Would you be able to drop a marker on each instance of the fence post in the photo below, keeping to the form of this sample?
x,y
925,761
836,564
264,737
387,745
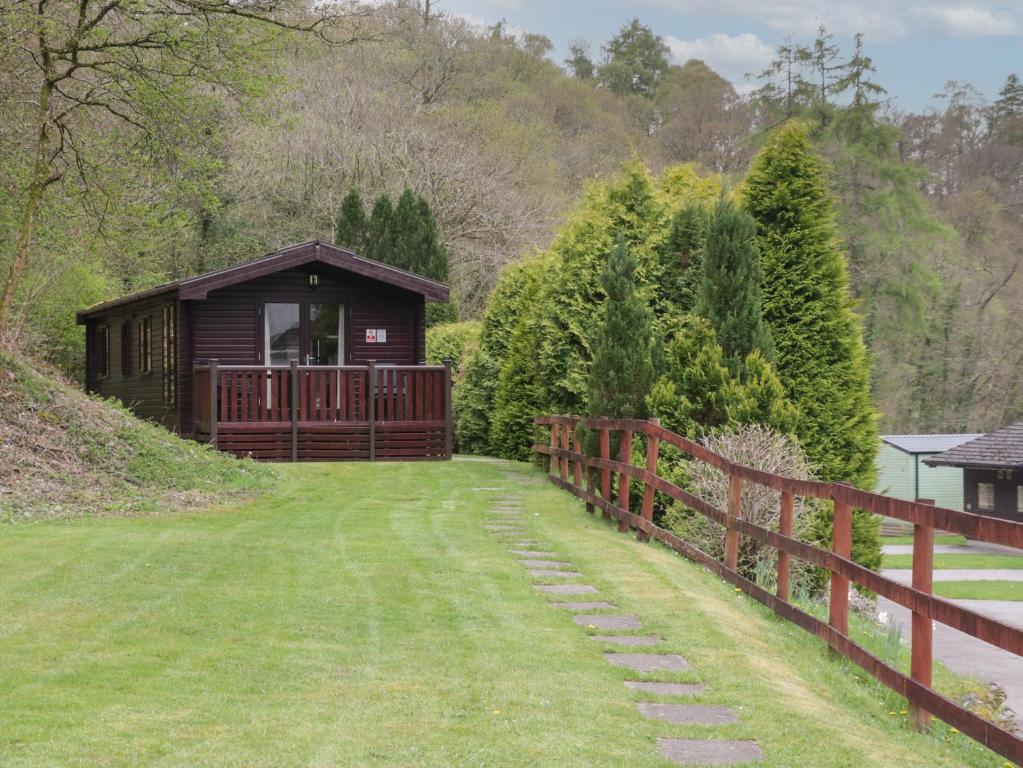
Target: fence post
x,y
841,544
214,402
653,451
295,400
564,446
624,456
731,532
605,473
785,529
371,408
449,433
577,468
921,666
552,458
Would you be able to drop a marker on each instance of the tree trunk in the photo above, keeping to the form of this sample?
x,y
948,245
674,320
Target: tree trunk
x,y
41,179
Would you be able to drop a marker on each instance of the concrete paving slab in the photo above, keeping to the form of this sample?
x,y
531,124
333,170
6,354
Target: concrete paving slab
x,y
604,621
555,564
666,689
566,589
532,553
648,662
636,640
694,714
596,605
709,751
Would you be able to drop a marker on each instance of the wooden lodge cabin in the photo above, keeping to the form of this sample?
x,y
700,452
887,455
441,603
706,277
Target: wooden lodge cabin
x,y
310,353
992,467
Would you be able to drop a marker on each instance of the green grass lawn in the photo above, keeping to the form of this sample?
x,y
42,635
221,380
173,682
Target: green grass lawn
x,y
948,539
361,616
980,590
967,562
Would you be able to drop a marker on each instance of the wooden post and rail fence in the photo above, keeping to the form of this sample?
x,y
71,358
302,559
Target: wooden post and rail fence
x,y
325,413
570,466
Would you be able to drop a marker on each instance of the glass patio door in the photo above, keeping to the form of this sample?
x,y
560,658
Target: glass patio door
x,y
312,334
326,334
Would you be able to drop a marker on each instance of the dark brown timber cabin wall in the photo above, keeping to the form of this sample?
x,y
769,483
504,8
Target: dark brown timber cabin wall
x,y
222,316
992,472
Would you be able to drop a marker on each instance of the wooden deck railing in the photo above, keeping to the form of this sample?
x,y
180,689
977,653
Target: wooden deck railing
x,y
325,412
570,467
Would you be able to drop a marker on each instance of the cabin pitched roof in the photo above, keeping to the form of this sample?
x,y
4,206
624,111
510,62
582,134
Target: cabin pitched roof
x,y
313,251
1002,449
918,444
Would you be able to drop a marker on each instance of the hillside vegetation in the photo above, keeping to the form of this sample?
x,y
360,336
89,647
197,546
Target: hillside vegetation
x,y
65,454
499,137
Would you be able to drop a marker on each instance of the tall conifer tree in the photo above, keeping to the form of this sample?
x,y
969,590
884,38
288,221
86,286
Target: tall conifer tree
x,y
380,231
622,371
350,227
729,295
821,358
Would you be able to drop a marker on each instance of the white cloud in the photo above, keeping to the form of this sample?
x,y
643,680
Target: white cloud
x,y
878,19
970,21
732,56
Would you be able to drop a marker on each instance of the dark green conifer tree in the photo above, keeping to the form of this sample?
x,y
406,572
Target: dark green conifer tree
x,y
350,226
819,351
622,371
729,296
380,231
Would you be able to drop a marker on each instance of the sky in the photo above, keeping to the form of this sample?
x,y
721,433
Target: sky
x,y
917,45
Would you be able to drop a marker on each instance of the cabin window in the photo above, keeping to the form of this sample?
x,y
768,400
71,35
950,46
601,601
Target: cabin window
x,y
170,354
146,345
1019,498
326,334
102,351
126,348
282,333
985,496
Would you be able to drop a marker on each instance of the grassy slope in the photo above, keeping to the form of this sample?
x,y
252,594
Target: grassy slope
x,y
64,454
940,538
362,616
980,590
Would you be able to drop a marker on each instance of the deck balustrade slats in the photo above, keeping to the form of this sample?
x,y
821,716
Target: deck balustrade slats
x,y
251,411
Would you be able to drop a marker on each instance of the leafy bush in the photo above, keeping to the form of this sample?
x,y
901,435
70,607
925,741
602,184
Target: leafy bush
x,y
452,341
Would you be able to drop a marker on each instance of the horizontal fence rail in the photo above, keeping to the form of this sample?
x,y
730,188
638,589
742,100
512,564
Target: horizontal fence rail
x,y
325,412
570,468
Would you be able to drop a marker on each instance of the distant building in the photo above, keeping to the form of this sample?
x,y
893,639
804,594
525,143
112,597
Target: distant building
x,y
992,466
903,473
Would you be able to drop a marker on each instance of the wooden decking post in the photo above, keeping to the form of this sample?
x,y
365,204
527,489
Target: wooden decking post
x,y
214,406
605,473
295,400
625,456
921,662
734,513
371,408
841,544
785,529
449,434
653,449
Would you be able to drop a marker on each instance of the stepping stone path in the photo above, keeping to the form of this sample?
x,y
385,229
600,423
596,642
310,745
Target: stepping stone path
x,y
539,563
697,714
566,588
545,563
709,752
648,662
604,621
626,639
667,689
